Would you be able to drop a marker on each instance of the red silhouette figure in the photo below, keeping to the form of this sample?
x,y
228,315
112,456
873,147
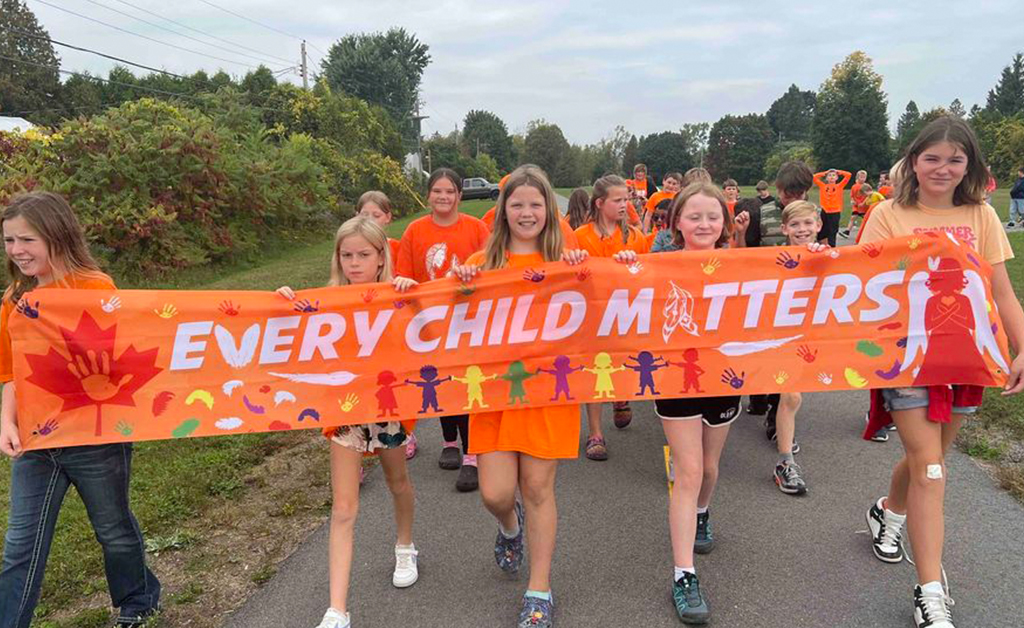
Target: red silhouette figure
x,y
950,326
691,371
387,404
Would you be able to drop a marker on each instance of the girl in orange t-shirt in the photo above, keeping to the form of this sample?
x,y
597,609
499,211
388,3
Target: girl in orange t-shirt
x,y
605,234
362,255
522,447
46,250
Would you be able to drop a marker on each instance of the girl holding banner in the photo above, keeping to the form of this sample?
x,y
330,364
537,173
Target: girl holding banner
x,y
46,250
941,189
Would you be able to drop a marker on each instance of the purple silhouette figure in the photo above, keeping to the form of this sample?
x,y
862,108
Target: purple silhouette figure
x,y
646,364
429,385
561,371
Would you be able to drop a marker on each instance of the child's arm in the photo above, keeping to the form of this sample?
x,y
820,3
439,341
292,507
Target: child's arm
x,y
819,178
844,178
10,440
1013,322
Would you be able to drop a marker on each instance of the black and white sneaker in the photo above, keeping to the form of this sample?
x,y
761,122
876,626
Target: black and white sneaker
x,y
845,233
788,478
931,610
885,535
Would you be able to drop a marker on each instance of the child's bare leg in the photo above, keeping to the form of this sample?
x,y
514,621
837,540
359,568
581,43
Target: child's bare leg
x,y
345,466
594,419
686,445
785,422
537,485
713,443
499,475
396,473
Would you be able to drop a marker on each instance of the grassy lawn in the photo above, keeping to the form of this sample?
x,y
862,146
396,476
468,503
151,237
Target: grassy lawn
x,y
178,484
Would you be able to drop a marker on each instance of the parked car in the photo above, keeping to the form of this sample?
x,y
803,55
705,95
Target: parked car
x,y
478,187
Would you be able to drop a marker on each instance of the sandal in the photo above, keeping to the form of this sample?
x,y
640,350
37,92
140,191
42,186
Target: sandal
x,y
622,414
596,448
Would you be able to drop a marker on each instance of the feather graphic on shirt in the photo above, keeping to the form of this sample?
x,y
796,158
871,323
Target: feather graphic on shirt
x,y
436,257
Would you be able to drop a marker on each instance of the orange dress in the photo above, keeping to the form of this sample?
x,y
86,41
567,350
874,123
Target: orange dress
x,y
550,432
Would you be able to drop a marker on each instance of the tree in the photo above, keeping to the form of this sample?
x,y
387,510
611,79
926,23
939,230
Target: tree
x,y
665,152
907,127
695,136
791,115
850,128
788,151
629,158
1008,153
484,132
381,68
24,87
956,108
1007,97
546,147
259,84
738,147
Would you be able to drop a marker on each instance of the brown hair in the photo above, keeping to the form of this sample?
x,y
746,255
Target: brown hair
x,y
579,205
550,241
678,176
445,173
640,168
794,178
971,190
761,185
52,218
602,187
694,175
730,183
372,233
701,189
376,197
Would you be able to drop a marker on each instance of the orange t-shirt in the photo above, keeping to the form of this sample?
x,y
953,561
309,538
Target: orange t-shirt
x,y
77,282
886,191
831,194
394,244
547,432
656,198
855,196
568,236
731,205
591,241
428,251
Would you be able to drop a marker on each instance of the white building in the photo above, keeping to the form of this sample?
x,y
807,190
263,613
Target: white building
x,y
15,124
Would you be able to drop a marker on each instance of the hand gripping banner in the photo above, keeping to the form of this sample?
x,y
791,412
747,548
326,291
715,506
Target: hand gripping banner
x,y
169,364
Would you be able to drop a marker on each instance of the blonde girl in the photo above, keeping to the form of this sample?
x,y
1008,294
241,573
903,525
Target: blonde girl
x,y
362,256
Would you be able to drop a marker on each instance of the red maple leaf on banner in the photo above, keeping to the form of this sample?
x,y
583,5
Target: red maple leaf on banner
x,y
91,375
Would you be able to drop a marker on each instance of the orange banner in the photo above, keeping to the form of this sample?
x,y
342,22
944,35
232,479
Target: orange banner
x,y
95,367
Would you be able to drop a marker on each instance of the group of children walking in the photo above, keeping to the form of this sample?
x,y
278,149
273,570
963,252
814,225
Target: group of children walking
x,y
513,455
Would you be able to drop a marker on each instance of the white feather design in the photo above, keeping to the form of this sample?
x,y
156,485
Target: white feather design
x,y
917,335
436,256
983,336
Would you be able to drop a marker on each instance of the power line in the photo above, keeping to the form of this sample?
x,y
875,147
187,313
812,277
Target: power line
x,y
101,54
179,34
210,35
146,37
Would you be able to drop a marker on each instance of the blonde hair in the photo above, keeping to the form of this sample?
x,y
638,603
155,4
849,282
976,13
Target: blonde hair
x,y
603,187
696,175
550,240
800,208
372,233
699,189
50,216
376,197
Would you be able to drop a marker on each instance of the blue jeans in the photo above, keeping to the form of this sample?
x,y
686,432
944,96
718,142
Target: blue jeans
x,y
1016,209
39,481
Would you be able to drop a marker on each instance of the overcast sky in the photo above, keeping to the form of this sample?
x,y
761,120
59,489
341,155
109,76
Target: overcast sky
x,y
589,66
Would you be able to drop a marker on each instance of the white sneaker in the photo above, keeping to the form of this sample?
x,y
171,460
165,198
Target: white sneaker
x,y
931,610
406,572
886,533
334,618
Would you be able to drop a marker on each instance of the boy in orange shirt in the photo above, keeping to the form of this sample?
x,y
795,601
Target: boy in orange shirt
x,y
731,189
640,189
858,196
430,247
670,185
885,187
830,192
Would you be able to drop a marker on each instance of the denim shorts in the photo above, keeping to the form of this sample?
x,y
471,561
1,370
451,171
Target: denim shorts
x,y
915,397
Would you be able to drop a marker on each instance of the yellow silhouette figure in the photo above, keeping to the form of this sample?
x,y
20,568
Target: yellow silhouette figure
x,y
604,388
474,390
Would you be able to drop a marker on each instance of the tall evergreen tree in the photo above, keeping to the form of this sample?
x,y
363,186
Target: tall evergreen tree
x,y
850,118
907,126
1007,97
956,108
25,87
484,132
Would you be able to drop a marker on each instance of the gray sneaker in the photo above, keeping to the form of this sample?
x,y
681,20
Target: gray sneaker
x,y
704,541
690,604
788,479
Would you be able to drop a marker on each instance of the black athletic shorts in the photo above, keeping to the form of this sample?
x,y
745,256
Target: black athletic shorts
x,y
829,227
714,411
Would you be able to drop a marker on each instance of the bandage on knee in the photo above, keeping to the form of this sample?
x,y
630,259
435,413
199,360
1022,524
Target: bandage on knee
x,y
933,472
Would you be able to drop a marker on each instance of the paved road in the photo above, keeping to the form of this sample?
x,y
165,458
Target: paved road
x,y
780,561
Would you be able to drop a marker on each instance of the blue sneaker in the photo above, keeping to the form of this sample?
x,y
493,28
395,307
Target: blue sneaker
x,y
536,613
704,541
690,604
509,552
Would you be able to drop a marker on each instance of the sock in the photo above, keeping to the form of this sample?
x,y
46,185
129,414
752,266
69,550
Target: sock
x,y
702,511
786,458
892,517
509,534
677,572
469,459
933,588
451,443
410,546
540,595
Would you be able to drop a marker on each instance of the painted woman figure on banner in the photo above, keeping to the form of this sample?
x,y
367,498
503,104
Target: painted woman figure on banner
x,y
949,325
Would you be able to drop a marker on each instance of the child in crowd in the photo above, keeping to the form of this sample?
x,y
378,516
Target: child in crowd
x,y
1017,201
579,206
940,188
670,185
830,191
990,185
640,189
605,234
521,448
763,194
694,175
869,198
362,256
732,194
46,250
885,184
429,248
857,201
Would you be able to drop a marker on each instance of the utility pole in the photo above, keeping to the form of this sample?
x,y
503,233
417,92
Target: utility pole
x,y
305,75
